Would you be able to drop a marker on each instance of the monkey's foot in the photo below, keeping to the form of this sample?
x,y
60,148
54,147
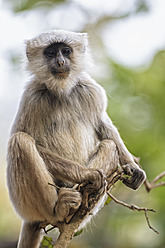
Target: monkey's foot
x,y
136,176
69,200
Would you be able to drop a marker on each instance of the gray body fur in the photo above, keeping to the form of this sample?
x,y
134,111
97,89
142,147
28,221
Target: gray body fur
x,y
59,127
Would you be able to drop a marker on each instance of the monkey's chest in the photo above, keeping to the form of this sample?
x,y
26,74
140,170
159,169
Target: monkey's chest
x,y
73,139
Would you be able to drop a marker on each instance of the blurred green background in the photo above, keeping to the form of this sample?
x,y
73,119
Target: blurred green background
x,y
127,39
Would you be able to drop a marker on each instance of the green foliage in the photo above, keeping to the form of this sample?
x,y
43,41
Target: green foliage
x,y
109,199
23,5
46,242
137,108
142,6
78,233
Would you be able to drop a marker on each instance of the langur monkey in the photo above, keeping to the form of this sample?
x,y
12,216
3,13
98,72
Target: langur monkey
x,y
61,135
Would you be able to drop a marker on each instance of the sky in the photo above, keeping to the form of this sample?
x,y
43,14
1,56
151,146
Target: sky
x,y
131,42
142,36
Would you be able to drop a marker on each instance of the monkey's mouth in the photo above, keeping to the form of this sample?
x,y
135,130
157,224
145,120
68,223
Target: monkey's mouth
x,y
60,73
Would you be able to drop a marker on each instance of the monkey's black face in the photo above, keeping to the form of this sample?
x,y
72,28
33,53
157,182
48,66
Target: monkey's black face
x,y
58,56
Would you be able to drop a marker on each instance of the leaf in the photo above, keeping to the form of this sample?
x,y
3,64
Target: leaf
x,y
46,242
32,4
109,199
78,233
126,176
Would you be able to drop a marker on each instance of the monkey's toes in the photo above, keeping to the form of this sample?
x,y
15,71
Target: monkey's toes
x,y
135,180
68,203
97,182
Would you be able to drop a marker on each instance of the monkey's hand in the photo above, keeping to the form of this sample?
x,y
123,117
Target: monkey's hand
x,y
69,200
134,175
95,180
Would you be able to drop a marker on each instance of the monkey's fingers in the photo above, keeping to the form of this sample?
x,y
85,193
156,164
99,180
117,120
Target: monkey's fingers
x,y
135,180
97,180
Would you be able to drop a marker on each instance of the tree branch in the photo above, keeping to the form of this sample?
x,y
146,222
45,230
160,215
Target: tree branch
x,y
70,226
153,184
134,207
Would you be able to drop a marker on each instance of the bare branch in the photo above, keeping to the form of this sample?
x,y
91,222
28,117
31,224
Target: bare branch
x,y
68,229
134,207
147,219
70,226
161,175
152,185
54,185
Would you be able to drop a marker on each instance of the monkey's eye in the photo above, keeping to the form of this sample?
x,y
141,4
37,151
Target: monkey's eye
x,y
66,51
49,52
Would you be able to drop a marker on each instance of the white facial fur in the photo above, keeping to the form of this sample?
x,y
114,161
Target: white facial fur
x,y
37,64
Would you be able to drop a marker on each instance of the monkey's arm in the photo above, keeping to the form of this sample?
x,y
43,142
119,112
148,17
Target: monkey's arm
x,y
107,130
33,124
69,170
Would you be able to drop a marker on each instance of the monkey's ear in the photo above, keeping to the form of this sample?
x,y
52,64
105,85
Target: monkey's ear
x,y
81,42
28,49
31,49
28,55
85,41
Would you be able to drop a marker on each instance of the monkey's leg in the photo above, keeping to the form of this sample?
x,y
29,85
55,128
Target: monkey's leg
x,y
105,157
31,235
137,176
28,180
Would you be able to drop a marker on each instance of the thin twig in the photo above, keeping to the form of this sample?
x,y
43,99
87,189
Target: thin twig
x,y
54,185
158,185
134,207
147,219
50,229
68,228
161,175
152,185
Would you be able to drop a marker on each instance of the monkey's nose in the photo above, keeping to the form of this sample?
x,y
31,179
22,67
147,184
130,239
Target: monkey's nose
x,y
60,62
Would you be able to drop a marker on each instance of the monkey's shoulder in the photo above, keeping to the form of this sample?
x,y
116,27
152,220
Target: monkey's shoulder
x,y
86,95
37,96
92,93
